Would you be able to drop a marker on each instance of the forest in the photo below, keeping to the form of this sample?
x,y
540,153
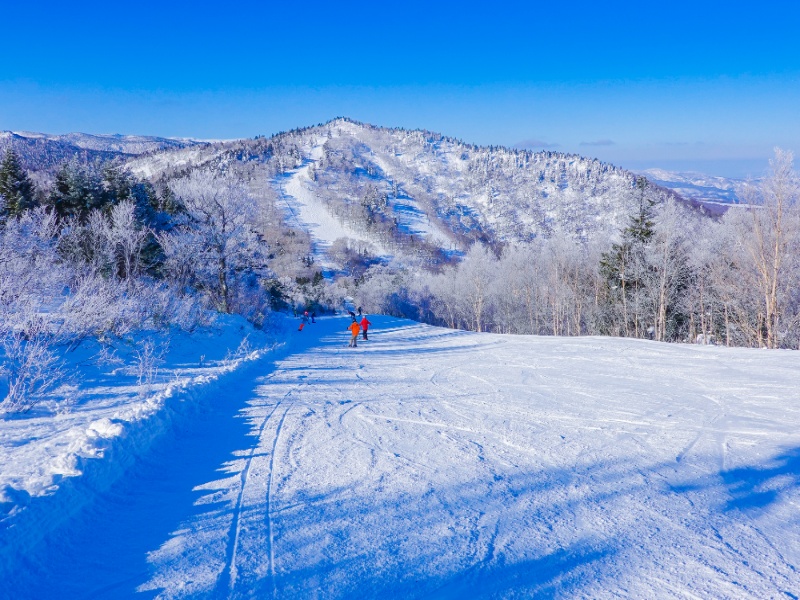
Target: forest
x,y
102,251
670,274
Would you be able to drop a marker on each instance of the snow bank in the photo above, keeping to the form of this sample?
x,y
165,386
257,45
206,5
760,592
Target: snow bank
x,y
56,458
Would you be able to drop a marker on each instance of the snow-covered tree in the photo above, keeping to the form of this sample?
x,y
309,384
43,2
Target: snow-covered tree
x,y
17,193
216,244
762,273
77,190
128,239
774,238
668,259
475,276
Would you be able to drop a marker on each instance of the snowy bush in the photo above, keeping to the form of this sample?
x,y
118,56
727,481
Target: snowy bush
x,y
149,358
242,350
96,306
30,368
30,269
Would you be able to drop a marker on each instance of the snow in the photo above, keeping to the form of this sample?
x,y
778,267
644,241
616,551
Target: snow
x,y
113,415
155,165
708,189
124,144
310,214
410,215
447,189
445,464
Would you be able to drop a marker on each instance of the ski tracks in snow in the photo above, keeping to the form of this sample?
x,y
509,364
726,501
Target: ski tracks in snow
x,y
228,579
429,463
268,516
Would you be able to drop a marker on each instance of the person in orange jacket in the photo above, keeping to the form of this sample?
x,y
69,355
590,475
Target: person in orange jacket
x,y
365,325
354,329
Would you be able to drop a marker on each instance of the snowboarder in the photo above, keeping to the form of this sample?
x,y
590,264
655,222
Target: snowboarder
x,y
365,325
354,329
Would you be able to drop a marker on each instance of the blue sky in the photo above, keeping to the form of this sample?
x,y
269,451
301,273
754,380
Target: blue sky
x,y
706,85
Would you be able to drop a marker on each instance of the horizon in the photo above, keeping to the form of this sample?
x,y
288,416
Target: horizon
x,y
732,168
629,85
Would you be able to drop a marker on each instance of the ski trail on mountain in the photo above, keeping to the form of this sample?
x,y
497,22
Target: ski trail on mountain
x,y
228,580
445,464
310,214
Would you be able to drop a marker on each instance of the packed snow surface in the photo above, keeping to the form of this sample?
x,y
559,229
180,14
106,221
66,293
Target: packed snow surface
x,y
310,213
430,463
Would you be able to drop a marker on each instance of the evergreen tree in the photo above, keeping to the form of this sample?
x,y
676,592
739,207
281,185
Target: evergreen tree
x,y
77,190
15,187
80,190
624,267
641,229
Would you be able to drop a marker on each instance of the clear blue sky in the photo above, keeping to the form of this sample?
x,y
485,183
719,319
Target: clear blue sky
x,y
709,85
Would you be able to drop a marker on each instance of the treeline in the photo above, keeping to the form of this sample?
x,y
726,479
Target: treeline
x,y
102,254
671,275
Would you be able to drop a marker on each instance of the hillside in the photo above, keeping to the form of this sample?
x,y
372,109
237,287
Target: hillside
x,y
42,154
440,464
416,224
713,191
381,193
399,192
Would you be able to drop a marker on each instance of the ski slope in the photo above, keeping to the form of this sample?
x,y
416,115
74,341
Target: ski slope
x,y
430,463
306,211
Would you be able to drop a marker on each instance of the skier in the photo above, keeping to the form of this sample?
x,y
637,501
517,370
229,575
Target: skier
x,y
365,325
305,317
359,311
352,315
313,316
354,329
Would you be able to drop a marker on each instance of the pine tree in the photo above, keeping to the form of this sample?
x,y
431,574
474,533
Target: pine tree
x,y
77,190
623,267
15,187
640,229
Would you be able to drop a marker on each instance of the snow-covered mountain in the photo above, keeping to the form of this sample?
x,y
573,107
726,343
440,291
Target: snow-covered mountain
x,y
41,152
122,144
396,190
706,189
386,192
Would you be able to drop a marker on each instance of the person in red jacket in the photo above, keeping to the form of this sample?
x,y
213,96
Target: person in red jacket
x,y
354,329
365,325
